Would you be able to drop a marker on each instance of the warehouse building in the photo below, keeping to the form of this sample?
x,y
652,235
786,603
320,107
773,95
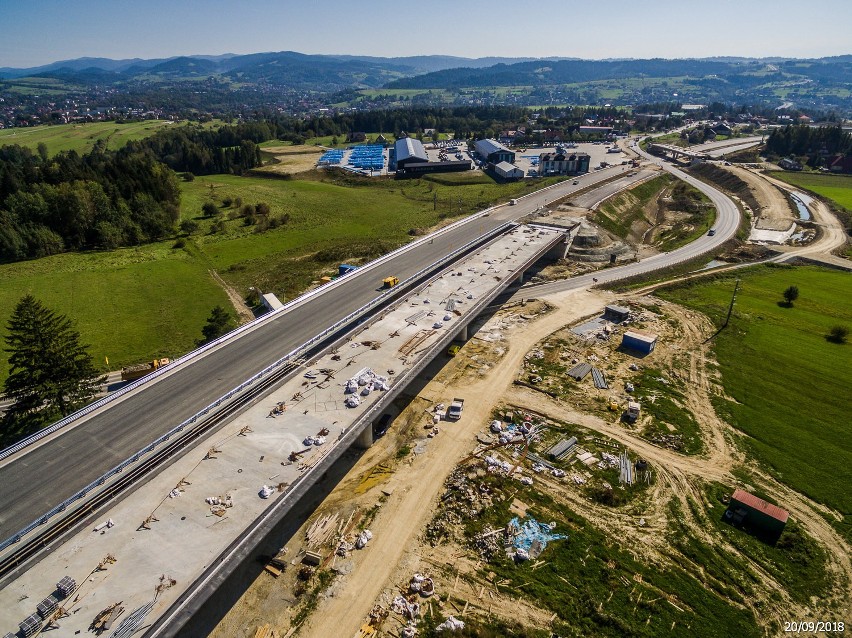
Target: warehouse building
x,y
418,168
639,341
409,157
507,171
493,152
408,150
756,515
563,164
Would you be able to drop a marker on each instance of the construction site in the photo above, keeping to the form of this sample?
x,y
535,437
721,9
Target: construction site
x,y
584,490
550,507
553,465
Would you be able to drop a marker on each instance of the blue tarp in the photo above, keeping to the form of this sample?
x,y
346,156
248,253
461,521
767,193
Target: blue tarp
x,y
530,531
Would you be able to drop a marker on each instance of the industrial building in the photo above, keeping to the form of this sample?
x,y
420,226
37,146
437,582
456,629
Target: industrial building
x,y
563,164
763,519
409,158
505,170
493,152
639,341
407,151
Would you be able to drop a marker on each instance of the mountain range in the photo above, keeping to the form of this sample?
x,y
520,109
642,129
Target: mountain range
x,y
823,83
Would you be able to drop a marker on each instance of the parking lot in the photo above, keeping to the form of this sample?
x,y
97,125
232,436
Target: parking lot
x,y
527,158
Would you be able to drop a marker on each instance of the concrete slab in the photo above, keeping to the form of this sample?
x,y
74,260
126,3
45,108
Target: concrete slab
x,y
252,451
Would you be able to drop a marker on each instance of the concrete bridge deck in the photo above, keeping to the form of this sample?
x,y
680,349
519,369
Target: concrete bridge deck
x,y
183,538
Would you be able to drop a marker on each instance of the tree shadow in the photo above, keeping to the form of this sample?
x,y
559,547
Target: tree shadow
x,y
785,304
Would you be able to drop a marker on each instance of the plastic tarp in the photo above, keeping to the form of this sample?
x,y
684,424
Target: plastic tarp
x,y
450,624
530,532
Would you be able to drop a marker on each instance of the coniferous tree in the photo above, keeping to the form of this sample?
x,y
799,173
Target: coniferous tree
x,y
51,373
218,323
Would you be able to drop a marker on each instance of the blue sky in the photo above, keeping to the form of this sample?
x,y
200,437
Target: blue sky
x,y
37,32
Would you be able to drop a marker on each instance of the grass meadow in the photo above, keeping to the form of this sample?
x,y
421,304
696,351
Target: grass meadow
x,y
837,188
129,305
135,304
789,385
81,137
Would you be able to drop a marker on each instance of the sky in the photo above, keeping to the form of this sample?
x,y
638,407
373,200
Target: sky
x,y
36,32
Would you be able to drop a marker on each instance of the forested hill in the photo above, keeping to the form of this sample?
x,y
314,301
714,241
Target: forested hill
x,y
832,71
103,199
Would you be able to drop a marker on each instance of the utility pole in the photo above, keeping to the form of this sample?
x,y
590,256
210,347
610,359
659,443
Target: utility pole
x,y
731,307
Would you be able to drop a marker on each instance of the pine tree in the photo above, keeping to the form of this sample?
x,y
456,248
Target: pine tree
x,y
218,323
50,372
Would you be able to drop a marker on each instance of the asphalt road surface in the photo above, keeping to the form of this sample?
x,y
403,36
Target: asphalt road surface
x,y
36,480
727,222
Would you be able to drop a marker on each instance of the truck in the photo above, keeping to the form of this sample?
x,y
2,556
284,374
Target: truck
x,y
390,282
131,373
455,411
513,202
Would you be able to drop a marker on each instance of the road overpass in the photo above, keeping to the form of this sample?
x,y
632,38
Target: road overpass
x,y
166,527
47,472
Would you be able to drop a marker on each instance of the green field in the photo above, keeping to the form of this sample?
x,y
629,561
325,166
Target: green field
x,y
130,305
332,219
137,303
81,137
837,188
789,385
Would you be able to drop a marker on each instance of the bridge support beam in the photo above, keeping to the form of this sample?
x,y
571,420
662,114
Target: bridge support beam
x,y
365,439
463,335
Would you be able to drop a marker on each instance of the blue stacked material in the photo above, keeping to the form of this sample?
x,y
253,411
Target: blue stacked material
x,y
367,156
331,157
532,532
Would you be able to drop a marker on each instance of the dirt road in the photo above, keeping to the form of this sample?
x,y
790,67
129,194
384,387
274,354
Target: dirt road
x,y
408,508
833,234
775,212
413,490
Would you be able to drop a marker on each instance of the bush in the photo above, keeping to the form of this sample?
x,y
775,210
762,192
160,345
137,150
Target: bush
x,y
179,243
209,209
838,334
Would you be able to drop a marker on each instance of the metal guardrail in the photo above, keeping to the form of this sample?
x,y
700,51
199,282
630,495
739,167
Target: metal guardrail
x,y
165,624
288,358
85,411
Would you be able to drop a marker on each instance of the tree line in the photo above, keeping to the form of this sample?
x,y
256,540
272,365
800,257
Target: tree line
x,y
103,199
812,143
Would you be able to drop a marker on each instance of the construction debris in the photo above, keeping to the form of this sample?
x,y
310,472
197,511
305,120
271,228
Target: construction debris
x,y
450,624
104,619
527,540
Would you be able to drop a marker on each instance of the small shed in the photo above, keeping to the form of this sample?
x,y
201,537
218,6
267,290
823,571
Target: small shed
x,y
271,302
764,519
508,171
639,341
616,314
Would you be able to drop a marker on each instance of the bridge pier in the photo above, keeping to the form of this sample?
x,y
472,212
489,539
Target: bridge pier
x,y
463,336
365,439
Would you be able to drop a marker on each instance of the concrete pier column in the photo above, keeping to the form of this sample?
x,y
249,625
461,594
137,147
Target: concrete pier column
x,y
463,334
365,439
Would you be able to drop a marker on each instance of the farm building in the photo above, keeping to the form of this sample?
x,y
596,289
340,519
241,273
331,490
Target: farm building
x,y
616,314
563,164
639,341
762,518
494,152
505,170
